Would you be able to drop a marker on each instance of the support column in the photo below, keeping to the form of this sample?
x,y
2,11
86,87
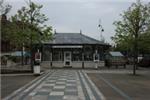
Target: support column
x,y
83,57
42,50
51,58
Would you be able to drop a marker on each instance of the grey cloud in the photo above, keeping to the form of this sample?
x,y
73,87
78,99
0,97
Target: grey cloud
x,y
73,16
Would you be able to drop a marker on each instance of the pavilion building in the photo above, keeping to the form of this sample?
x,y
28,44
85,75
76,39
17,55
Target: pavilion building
x,y
73,50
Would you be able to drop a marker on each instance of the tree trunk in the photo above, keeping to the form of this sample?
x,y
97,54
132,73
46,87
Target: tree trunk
x,y
31,55
22,55
135,54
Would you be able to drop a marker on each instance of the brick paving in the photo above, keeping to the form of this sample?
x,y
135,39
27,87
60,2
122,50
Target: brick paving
x,y
61,85
71,84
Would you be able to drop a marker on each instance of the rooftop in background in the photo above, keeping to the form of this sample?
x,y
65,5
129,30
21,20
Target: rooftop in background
x,y
16,53
118,54
73,38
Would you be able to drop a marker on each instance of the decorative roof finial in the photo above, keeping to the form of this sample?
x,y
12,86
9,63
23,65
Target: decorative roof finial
x,y
80,31
55,31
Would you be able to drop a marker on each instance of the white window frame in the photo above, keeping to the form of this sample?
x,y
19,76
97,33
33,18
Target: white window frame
x,y
94,56
65,60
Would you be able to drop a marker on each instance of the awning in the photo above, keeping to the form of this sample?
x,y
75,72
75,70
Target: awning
x,y
68,46
19,53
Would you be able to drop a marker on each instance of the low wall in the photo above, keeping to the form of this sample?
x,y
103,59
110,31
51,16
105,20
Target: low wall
x,y
74,64
101,64
45,65
15,68
89,64
57,64
77,64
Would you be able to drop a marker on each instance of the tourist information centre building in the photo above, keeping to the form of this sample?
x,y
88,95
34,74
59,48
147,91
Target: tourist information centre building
x,y
73,50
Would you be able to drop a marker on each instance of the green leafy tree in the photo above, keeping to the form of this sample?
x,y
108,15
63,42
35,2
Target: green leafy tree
x,y
4,9
5,24
132,27
31,20
30,28
144,43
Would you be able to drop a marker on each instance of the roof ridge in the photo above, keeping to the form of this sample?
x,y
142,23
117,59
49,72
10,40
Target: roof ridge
x,y
91,38
73,38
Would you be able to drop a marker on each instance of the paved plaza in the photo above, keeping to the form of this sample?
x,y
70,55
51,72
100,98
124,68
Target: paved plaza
x,y
73,84
12,82
60,85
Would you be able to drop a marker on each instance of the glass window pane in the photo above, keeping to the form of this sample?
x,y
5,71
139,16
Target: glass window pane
x,y
77,55
46,55
57,56
88,53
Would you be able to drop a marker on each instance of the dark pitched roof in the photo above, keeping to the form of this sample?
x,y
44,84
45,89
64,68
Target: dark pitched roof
x,y
73,38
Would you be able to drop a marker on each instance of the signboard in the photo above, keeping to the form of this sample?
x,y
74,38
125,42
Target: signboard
x,y
38,56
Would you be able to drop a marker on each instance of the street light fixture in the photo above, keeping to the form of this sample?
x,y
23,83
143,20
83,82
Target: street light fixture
x,y
101,30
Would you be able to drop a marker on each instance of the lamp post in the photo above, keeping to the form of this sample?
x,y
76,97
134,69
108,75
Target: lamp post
x,y
101,37
101,30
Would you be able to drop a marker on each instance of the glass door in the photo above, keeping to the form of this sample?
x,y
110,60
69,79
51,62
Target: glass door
x,y
67,58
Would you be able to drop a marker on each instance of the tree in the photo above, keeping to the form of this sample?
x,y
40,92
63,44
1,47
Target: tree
x,y
4,9
5,25
144,43
132,27
29,26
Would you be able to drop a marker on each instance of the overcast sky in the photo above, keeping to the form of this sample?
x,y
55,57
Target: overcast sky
x,y
73,15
